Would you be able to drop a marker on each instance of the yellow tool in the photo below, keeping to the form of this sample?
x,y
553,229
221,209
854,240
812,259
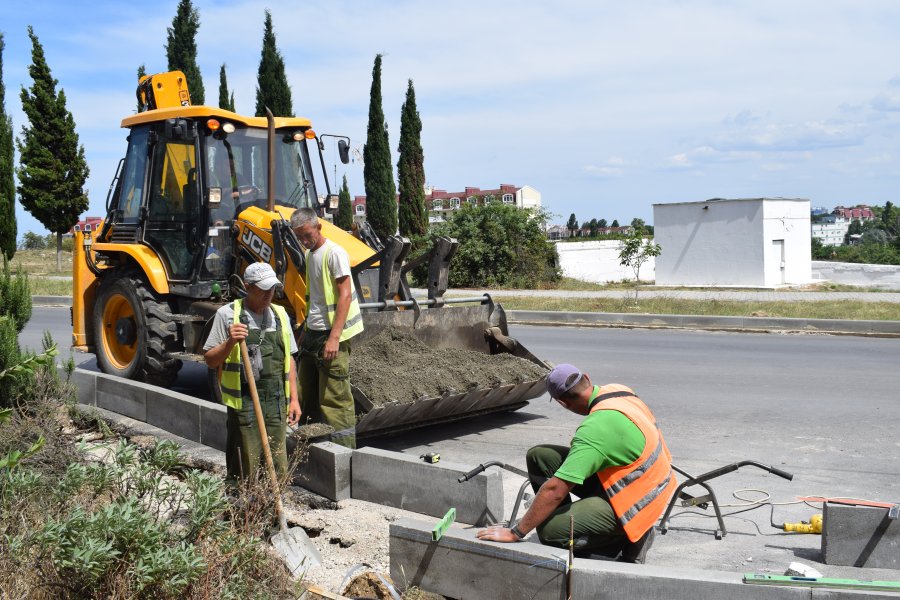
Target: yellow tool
x,y
814,525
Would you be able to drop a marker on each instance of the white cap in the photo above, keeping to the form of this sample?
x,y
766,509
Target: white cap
x,y
261,275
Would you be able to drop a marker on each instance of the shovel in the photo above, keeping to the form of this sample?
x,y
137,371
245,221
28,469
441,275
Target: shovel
x,y
292,544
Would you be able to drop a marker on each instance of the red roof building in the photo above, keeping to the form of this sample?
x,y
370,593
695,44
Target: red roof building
x,y
441,203
860,212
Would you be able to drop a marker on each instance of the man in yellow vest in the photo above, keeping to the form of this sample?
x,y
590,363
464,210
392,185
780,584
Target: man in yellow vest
x,y
271,345
618,466
333,317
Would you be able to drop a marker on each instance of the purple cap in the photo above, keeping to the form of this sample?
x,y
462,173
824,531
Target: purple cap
x,y
562,379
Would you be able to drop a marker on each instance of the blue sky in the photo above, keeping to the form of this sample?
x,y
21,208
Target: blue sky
x,y
604,107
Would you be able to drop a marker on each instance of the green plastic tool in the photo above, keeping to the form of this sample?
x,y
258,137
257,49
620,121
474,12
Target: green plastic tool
x,y
822,582
443,525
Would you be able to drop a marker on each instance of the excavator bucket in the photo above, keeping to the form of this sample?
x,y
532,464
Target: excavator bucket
x,y
480,328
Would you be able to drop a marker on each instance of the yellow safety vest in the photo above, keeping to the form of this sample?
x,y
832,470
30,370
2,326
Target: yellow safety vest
x,y
230,384
354,323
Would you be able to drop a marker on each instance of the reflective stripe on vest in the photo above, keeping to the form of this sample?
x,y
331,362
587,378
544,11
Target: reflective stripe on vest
x,y
639,492
353,323
230,384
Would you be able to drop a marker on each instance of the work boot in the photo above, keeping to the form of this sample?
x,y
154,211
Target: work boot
x,y
636,552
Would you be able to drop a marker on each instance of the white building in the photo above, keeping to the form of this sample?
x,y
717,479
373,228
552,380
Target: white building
x,y
830,230
755,242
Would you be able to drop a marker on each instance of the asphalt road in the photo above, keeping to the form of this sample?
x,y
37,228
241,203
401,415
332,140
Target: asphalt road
x,y
827,402
823,407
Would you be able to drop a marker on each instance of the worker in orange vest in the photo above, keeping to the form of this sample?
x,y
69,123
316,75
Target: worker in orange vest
x,y
617,465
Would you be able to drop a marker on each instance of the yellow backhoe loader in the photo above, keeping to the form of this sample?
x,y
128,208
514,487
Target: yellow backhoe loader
x,y
203,192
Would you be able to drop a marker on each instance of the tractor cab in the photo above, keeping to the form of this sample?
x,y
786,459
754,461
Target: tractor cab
x,y
186,177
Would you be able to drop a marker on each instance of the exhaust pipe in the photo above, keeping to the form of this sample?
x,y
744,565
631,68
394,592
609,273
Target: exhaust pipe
x,y
270,179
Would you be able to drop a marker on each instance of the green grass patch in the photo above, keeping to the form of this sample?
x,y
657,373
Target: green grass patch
x,y
41,286
827,309
42,262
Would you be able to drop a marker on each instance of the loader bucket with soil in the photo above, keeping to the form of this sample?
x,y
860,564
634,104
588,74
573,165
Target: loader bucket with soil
x,y
430,365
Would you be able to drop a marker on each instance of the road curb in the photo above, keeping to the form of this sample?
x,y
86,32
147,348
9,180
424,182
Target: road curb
x,y
712,323
647,321
51,301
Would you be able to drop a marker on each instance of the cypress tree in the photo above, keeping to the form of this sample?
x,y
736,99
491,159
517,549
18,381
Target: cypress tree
x,y
344,217
7,180
272,88
52,169
381,195
225,101
141,71
411,169
181,48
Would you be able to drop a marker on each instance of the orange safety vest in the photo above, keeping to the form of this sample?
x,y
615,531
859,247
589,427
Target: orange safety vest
x,y
640,491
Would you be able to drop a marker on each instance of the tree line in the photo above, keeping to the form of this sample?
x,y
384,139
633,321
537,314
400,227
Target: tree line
x,y
52,168
596,226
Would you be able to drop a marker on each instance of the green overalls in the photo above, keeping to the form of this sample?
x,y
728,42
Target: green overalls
x,y
244,451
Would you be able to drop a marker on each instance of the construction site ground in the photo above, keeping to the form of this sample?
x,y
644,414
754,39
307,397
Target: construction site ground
x,y
822,407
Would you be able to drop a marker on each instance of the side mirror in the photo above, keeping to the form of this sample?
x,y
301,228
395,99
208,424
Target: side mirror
x,y
344,151
331,202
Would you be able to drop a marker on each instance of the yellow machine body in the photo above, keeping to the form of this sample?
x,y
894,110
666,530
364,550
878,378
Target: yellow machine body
x,y
203,192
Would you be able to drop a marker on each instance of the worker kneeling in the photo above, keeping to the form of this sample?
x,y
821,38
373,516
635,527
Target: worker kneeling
x,y
618,466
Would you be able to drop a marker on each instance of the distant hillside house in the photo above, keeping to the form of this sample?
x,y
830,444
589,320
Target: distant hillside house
x,y
440,204
830,230
859,212
94,222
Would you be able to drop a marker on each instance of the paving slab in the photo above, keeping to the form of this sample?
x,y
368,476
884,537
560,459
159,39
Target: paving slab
x,y
860,536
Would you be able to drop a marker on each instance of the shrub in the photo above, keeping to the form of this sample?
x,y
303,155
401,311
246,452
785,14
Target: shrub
x,y
500,246
33,241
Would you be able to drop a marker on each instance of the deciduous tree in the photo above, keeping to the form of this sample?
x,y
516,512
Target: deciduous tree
x,y
572,224
635,251
272,88
181,48
52,169
7,179
500,246
411,169
381,195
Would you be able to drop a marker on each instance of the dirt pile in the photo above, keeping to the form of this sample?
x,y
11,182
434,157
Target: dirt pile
x,y
395,366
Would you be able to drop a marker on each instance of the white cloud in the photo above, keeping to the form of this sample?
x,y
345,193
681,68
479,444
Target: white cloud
x,y
724,93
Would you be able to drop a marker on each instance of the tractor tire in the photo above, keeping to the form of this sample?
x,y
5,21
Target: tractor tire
x,y
135,331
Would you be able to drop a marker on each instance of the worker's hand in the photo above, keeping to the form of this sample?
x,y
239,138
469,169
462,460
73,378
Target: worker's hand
x,y
495,533
238,332
330,351
294,413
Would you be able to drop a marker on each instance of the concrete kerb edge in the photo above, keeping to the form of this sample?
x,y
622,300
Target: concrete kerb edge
x,y
713,323
452,566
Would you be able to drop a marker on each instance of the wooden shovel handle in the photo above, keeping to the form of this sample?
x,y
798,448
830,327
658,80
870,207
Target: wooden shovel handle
x,y
260,422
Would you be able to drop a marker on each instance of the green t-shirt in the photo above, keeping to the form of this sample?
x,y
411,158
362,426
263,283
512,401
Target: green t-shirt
x,y
606,438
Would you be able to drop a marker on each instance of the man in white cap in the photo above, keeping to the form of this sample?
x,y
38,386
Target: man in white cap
x,y
270,343
618,466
